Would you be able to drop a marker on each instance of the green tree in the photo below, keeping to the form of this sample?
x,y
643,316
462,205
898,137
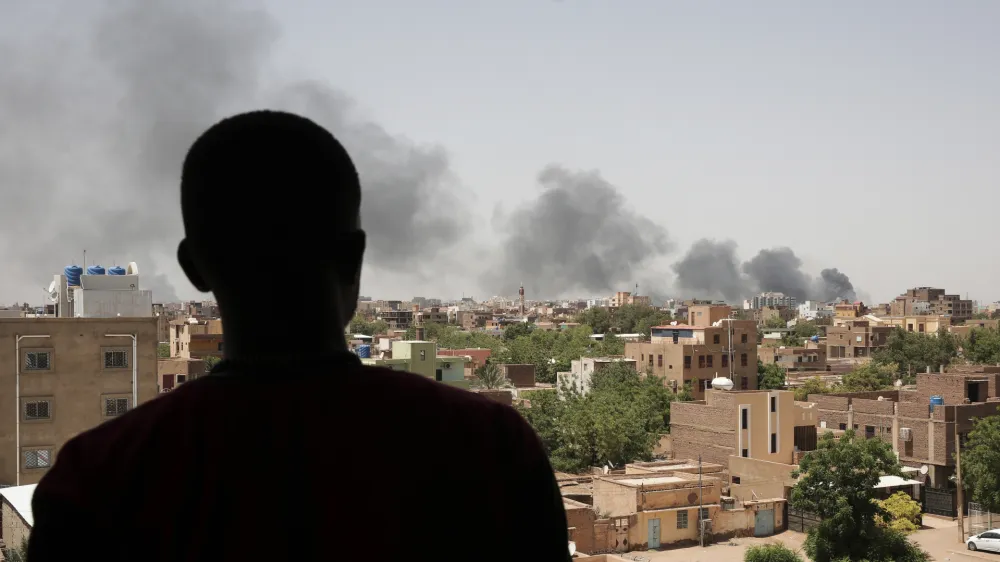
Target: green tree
x,y
913,352
163,350
982,346
491,377
210,362
361,325
517,330
902,513
775,322
805,329
773,552
871,376
813,385
837,483
770,376
597,317
981,462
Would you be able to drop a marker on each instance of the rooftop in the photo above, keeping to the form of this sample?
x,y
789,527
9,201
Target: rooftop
x,y
19,497
651,481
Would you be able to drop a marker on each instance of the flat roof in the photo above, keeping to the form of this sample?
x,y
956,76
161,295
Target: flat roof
x,y
650,481
680,327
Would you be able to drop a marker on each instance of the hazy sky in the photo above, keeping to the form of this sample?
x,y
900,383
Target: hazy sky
x,y
861,134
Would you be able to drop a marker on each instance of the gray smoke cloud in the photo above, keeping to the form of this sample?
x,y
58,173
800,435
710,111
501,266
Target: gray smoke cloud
x,y
711,269
96,124
578,234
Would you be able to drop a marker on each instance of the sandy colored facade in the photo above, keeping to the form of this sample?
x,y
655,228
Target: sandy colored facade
x,y
794,358
196,340
172,372
690,354
856,338
15,529
73,376
757,435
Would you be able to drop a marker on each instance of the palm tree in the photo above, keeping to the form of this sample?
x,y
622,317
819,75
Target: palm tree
x,y
491,377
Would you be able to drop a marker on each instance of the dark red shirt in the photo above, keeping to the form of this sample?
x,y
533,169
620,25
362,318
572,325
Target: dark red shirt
x,y
317,460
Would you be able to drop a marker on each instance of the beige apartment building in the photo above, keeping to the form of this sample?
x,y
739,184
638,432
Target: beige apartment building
x,y
196,339
856,338
758,435
794,358
67,375
930,300
709,345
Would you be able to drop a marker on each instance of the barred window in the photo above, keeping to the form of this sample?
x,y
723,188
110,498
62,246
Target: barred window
x,y
36,361
682,519
39,458
115,406
116,359
37,410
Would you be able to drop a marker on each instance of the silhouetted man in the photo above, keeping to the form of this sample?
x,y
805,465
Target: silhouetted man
x,y
290,449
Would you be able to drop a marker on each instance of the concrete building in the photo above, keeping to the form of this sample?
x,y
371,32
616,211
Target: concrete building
x,y
196,339
66,375
582,370
930,300
766,314
974,324
814,310
772,299
921,431
856,338
921,323
794,358
694,354
97,293
172,372
621,298
849,310
420,357
757,435
16,515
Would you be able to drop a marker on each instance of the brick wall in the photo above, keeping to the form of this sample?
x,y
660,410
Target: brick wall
x,y
950,387
582,518
501,396
883,407
828,402
522,376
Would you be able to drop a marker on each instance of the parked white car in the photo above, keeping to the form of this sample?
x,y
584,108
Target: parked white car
x,y
988,541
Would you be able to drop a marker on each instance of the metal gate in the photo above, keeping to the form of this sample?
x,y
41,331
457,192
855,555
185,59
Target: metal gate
x,y
981,520
801,521
764,523
940,501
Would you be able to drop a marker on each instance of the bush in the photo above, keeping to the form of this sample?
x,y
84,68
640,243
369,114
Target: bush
x,y
773,552
902,513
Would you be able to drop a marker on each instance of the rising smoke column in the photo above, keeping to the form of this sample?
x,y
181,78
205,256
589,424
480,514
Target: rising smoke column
x,y
96,124
710,270
578,234
832,284
778,269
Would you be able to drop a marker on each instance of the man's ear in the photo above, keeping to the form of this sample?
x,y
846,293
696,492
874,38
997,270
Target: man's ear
x,y
187,264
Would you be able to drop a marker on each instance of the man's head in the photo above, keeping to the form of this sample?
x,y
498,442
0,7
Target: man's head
x,y
271,203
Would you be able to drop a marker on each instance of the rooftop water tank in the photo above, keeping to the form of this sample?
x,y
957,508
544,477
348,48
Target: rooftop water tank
x,y
364,351
937,400
116,270
73,273
814,339
95,270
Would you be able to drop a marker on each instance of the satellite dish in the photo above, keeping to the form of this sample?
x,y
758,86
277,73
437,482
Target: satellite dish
x,y
923,469
53,291
898,383
132,269
881,398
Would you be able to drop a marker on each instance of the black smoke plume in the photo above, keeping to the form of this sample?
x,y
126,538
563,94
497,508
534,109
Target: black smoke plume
x,y
579,234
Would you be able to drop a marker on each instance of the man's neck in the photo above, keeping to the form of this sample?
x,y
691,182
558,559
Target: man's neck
x,y
267,339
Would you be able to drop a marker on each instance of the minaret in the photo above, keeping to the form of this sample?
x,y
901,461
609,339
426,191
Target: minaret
x,y
520,292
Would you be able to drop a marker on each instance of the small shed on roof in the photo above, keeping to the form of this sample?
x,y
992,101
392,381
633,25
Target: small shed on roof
x,y
15,514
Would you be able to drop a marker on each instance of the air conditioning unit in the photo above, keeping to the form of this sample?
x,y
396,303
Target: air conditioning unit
x,y
905,434
706,525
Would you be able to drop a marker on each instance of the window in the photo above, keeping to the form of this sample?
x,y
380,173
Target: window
x,y
921,327
701,361
715,338
745,418
725,360
37,361
743,360
220,347
774,403
687,361
843,427
743,338
181,378
116,359
650,359
423,354
736,479
744,383
909,327
682,520
115,406
38,458
696,384
659,360
869,431
774,443
438,374
704,513
745,453
709,360
37,410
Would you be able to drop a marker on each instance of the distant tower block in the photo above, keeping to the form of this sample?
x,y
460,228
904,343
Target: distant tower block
x,y
520,292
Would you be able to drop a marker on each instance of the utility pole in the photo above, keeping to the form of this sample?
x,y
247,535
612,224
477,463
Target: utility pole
x,y
958,482
701,493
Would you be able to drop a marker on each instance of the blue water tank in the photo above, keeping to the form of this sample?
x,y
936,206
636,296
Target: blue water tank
x,y
937,400
73,273
364,351
116,270
95,270
814,339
